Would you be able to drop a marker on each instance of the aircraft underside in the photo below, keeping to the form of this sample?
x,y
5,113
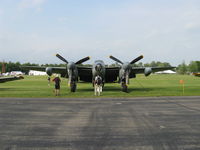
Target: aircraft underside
x,y
108,79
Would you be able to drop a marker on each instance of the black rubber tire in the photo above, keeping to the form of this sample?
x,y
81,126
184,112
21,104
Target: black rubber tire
x,y
73,87
124,88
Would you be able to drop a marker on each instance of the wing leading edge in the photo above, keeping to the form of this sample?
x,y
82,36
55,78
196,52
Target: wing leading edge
x,y
84,73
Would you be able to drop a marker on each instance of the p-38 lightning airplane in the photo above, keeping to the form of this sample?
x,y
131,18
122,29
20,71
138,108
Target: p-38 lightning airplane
x,y
74,71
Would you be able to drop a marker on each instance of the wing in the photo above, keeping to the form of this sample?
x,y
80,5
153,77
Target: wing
x,y
138,70
37,68
5,79
85,73
111,74
60,70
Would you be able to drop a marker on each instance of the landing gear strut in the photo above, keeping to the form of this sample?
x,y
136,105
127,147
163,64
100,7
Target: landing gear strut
x,y
124,87
73,86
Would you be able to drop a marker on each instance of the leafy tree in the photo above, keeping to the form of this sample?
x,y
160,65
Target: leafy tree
x,y
193,66
10,66
157,64
140,64
182,68
198,64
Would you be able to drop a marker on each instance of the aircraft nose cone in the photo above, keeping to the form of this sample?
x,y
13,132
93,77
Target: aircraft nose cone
x,y
71,65
126,67
98,67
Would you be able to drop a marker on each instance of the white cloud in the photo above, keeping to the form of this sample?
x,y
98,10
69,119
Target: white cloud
x,y
24,4
192,25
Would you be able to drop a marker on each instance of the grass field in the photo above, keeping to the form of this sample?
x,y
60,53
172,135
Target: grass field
x,y
154,85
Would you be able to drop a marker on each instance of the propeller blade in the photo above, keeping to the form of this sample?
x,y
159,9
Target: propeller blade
x,y
82,60
136,59
62,58
115,59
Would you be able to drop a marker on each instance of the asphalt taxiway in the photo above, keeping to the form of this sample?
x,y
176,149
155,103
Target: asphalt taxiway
x,y
160,123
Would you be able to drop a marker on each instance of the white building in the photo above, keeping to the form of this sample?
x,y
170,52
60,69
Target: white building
x,y
36,73
165,72
16,73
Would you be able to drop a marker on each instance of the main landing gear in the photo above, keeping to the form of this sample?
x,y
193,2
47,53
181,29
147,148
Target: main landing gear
x,y
124,87
73,86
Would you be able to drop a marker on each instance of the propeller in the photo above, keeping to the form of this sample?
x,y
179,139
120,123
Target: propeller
x,y
126,67
71,67
132,62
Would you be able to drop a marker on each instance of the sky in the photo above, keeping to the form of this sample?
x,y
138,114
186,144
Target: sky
x,y
160,30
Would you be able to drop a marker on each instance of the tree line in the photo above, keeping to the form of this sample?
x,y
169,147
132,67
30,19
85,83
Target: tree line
x,y
192,67
183,68
17,66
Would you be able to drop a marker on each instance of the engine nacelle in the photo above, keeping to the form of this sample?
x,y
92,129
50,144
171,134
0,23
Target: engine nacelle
x,y
147,71
49,71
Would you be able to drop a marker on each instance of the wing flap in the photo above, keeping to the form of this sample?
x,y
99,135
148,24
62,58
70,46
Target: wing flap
x,y
85,73
111,74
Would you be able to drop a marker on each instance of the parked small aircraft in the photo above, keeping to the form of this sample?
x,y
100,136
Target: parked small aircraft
x,y
197,74
74,71
6,79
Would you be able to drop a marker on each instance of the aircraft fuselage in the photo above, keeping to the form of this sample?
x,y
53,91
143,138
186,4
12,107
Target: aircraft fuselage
x,y
98,69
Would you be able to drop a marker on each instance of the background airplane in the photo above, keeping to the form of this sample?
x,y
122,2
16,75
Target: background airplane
x,y
74,71
6,79
196,74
